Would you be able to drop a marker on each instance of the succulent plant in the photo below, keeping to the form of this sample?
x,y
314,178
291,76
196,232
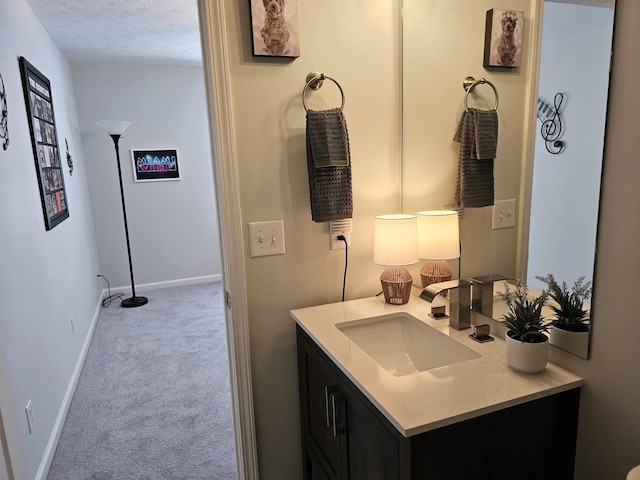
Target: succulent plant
x,y
525,319
569,310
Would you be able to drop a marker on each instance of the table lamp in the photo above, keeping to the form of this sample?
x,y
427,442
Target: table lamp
x,y
439,240
395,244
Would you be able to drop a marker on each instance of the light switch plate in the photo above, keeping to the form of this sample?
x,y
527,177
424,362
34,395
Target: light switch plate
x,y
504,214
266,238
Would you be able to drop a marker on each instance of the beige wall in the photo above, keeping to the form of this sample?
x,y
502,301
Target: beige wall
x,y
609,429
356,43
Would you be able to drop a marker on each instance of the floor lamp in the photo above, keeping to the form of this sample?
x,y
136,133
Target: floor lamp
x,y
115,130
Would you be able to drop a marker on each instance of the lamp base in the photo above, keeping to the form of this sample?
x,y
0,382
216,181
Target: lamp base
x,y
134,302
435,271
396,285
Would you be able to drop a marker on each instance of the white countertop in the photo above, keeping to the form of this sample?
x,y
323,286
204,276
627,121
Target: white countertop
x,y
431,399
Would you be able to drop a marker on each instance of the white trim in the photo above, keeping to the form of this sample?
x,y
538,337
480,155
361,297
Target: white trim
x,y
180,282
50,450
526,176
216,66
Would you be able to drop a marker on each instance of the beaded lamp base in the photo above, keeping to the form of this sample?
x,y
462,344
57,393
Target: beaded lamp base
x,y
396,285
435,271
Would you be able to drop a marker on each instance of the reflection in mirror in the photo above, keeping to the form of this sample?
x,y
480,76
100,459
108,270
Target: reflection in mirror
x,y
563,221
443,44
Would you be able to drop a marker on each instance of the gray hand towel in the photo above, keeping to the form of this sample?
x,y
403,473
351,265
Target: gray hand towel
x,y
478,137
329,165
327,137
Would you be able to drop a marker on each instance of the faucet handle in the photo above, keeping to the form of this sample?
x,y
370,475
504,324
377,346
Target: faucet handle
x,y
481,333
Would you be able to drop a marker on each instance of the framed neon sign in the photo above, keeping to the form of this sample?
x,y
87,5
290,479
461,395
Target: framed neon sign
x,y
155,165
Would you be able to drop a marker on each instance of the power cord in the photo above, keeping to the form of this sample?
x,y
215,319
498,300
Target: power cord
x,y
342,238
106,301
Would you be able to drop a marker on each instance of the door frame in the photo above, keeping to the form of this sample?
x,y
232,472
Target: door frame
x,y
217,79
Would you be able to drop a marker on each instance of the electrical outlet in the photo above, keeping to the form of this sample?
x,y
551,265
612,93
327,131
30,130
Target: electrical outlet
x,y
337,244
30,419
504,214
266,238
340,227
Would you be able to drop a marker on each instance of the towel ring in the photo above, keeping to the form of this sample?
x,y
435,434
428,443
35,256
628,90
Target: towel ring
x,y
314,81
470,83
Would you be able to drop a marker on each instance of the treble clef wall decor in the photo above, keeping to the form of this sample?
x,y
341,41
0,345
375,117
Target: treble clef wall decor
x,y
551,129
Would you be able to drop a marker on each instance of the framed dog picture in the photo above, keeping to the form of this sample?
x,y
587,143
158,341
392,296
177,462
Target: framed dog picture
x,y
503,38
274,24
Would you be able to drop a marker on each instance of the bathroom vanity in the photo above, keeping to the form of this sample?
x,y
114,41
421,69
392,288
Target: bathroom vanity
x,y
369,411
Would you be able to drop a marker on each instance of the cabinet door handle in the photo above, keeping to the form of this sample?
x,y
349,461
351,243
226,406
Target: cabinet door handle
x,y
326,405
333,409
329,390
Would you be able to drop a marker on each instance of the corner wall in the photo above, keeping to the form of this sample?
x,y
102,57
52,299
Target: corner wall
x,y
47,276
609,428
173,226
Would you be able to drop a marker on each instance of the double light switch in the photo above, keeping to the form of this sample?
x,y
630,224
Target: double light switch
x,y
266,238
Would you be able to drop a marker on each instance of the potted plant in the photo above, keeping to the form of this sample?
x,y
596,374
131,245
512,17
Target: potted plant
x,y
570,327
527,346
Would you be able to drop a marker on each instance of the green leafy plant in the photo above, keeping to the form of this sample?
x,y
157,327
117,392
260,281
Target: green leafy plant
x,y
569,304
525,319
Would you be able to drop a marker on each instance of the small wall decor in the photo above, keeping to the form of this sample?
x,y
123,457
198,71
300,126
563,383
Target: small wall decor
x,y
44,139
275,28
69,159
155,165
4,128
503,38
551,129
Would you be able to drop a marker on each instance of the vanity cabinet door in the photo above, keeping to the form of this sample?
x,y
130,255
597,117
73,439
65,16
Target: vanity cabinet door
x,y
342,436
372,451
319,409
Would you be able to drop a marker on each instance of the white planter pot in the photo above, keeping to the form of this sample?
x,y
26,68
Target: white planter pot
x,y
573,342
526,357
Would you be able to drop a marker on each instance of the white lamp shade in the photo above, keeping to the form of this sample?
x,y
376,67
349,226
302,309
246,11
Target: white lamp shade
x,y
114,127
438,234
395,240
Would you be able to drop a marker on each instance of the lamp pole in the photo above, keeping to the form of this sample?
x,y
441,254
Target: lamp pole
x,y
115,131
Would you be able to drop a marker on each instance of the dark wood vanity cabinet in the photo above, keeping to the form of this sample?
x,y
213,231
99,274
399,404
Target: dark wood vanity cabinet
x,y
344,436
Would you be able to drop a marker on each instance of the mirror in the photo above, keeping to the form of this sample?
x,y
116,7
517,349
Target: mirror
x,y
566,49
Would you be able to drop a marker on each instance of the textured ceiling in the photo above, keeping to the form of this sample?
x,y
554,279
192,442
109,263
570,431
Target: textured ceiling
x,y
123,31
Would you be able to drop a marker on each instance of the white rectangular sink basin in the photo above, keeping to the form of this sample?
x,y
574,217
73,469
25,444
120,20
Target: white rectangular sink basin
x,y
402,344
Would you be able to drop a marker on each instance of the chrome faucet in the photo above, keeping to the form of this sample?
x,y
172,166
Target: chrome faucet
x,y
459,300
482,293
466,296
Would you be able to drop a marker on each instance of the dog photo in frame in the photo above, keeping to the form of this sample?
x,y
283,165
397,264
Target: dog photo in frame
x,y
503,38
274,24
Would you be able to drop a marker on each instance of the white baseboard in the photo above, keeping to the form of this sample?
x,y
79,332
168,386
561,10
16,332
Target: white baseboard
x,y
181,282
47,458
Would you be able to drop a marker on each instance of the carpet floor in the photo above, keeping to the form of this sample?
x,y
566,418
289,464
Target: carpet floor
x,y
153,400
